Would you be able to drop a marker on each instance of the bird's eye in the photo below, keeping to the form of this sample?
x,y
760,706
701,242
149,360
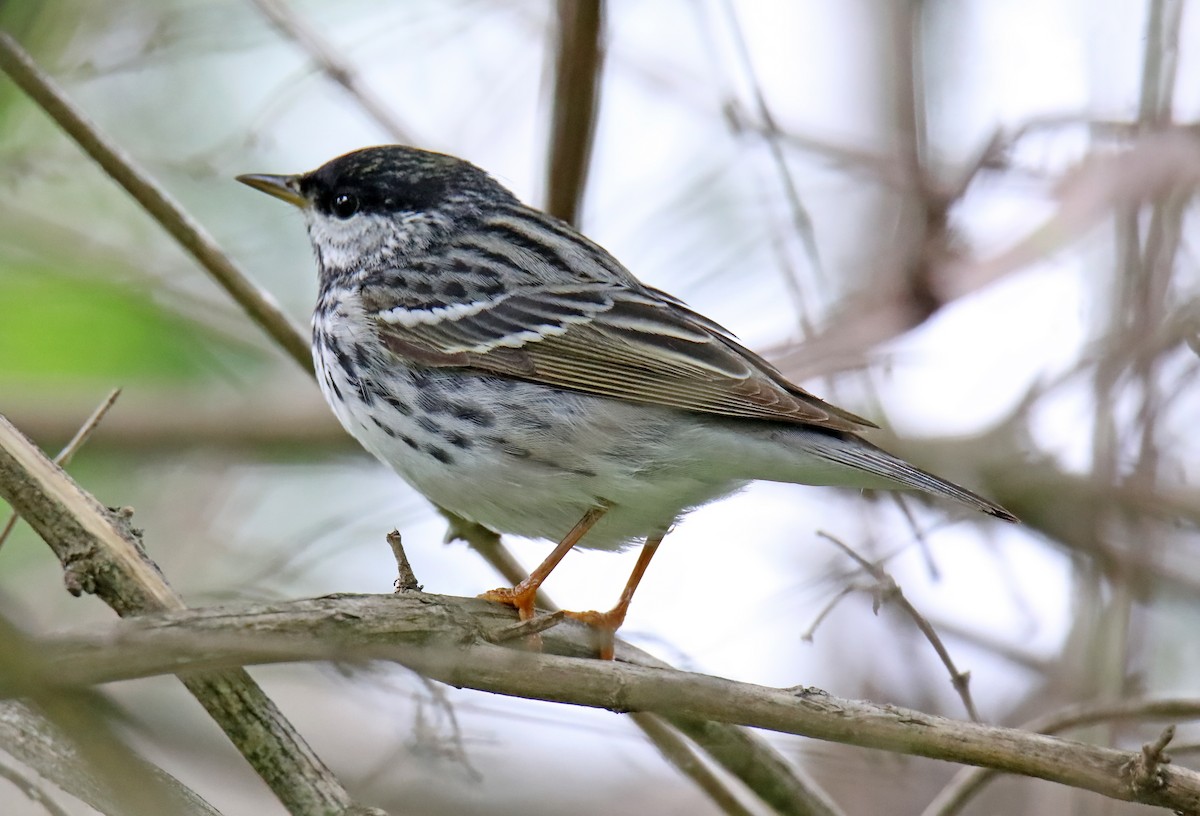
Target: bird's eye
x,y
344,205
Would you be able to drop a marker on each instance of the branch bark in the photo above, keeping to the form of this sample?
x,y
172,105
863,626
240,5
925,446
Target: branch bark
x,y
45,748
578,60
102,555
444,638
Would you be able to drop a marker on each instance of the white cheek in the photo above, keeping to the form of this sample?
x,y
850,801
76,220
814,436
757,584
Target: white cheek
x,y
344,242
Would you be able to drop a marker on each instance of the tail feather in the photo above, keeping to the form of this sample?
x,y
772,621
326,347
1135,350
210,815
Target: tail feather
x,y
862,454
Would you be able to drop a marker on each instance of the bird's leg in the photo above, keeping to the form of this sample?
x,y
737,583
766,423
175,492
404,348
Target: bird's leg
x,y
522,595
607,623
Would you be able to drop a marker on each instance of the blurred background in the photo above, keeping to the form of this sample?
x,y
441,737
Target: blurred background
x,y
969,221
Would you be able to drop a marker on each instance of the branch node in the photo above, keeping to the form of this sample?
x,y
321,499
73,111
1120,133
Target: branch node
x,y
122,520
78,577
407,579
1146,770
527,627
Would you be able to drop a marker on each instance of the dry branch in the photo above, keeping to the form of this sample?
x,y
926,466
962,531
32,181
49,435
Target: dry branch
x,y
258,305
56,757
969,781
102,554
578,59
445,638
328,60
124,783
64,456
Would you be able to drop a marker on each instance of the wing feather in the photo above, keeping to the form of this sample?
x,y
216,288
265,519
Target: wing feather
x,y
607,339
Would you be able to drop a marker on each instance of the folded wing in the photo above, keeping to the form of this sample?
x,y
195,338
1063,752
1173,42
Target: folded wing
x,y
606,339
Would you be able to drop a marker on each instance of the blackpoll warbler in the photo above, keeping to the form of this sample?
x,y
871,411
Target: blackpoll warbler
x,y
516,374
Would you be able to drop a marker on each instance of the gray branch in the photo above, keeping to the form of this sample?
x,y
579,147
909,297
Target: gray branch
x,y
41,745
102,554
445,638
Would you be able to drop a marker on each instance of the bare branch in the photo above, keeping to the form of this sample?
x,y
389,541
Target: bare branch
x,y
392,627
64,736
406,580
32,790
676,750
970,781
102,554
256,302
68,452
746,756
801,219
578,61
887,589
330,63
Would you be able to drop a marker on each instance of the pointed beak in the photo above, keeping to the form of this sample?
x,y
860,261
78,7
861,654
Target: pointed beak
x,y
286,188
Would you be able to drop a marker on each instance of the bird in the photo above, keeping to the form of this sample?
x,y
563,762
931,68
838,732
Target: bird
x,y
519,376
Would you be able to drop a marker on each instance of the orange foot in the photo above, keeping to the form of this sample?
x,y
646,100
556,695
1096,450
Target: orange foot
x,y
604,628
521,597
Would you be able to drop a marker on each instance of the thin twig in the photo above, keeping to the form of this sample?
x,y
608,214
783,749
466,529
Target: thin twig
x,y
68,452
888,590
680,753
801,218
258,305
406,580
807,635
1146,771
328,60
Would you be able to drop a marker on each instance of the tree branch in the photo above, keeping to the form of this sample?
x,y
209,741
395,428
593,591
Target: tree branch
x,y
577,63
102,555
51,752
258,305
741,752
328,60
969,781
444,638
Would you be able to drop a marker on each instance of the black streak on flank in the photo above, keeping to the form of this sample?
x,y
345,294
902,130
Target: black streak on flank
x,y
429,426
387,429
458,441
360,356
346,363
439,454
399,405
473,414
